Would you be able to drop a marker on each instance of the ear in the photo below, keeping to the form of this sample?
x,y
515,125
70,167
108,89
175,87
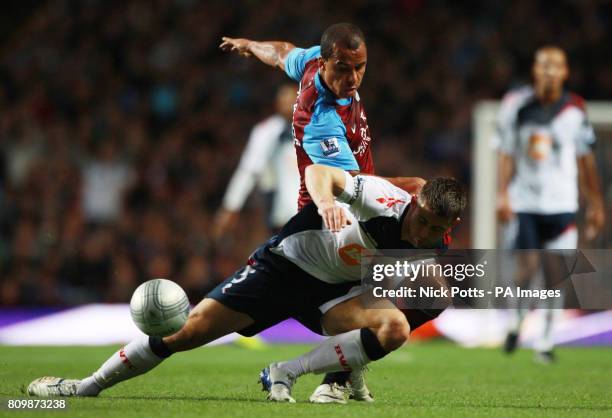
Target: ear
x,y
567,72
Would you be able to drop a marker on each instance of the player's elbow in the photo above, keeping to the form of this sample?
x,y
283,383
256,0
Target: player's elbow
x,y
394,331
286,48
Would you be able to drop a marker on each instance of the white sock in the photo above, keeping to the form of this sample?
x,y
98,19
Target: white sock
x,y
518,311
516,319
551,313
88,387
343,352
132,360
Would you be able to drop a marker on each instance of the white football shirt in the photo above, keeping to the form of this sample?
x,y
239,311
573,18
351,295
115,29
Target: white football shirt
x,y
375,208
545,141
270,159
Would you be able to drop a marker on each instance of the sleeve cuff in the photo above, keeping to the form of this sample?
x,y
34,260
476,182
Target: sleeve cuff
x,y
349,188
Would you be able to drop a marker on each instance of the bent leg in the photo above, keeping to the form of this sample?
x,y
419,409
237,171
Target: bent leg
x,y
208,321
387,322
360,336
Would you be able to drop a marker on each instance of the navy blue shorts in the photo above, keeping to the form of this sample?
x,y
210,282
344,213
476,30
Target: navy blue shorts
x,y
535,229
271,289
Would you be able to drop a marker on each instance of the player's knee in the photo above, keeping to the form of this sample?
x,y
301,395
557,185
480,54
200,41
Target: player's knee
x,y
394,331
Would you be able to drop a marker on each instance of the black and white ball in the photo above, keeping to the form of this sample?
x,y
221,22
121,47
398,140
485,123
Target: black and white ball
x,y
159,307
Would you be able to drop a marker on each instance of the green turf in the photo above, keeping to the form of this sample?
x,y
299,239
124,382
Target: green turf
x,y
435,380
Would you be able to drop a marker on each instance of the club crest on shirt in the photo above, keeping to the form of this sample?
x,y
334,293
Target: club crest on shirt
x,y
540,146
351,254
330,147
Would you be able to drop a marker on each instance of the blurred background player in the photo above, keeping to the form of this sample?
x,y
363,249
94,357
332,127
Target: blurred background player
x,y
268,160
545,142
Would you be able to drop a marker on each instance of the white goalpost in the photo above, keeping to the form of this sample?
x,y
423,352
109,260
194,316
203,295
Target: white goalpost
x,y
484,174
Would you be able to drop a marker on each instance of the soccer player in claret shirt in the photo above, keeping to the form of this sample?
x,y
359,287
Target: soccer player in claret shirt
x,y
330,126
545,153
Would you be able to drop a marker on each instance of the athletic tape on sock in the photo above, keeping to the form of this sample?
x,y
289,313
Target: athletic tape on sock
x,y
159,347
371,345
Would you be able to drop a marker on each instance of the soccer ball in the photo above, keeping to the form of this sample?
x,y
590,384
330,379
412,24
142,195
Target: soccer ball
x,y
159,307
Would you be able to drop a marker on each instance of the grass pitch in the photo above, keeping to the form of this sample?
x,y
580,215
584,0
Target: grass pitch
x,y
433,380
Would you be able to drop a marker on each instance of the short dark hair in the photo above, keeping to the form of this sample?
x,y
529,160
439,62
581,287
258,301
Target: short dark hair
x,y
345,35
550,47
444,196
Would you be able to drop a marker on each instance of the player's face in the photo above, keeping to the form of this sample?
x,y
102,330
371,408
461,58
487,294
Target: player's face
x,y
423,228
344,70
549,72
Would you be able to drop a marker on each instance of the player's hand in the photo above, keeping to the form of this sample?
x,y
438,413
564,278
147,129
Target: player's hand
x,y
239,45
504,210
595,219
334,217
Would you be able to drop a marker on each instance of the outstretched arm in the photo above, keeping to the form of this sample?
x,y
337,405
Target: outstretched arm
x,y
324,183
272,53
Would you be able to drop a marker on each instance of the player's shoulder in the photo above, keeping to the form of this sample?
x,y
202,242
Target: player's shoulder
x,y
311,67
274,122
371,196
382,190
312,64
514,100
518,95
575,101
309,94
306,54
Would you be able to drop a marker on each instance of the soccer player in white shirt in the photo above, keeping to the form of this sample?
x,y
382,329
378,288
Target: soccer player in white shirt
x,y
544,141
305,272
269,159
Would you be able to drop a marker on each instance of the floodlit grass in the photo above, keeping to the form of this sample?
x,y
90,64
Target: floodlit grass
x,y
433,379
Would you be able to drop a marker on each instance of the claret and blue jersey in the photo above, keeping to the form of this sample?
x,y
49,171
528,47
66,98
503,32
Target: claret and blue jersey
x,y
327,130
